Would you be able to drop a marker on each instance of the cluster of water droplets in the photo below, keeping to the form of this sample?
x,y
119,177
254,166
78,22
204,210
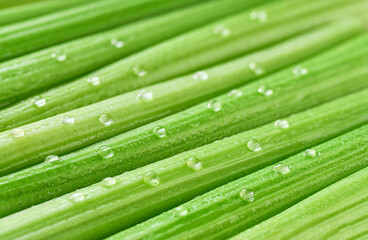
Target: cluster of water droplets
x,y
221,30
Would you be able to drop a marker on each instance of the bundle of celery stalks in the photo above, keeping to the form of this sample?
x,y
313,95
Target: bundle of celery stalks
x,y
184,119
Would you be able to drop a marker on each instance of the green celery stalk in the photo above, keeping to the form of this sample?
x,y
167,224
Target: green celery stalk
x,y
164,61
24,37
117,203
36,9
238,205
245,108
336,212
89,53
11,3
30,144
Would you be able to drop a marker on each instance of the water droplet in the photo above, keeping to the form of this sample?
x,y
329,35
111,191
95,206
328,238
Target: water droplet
x,y
152,179
254,146
60,57
76,197
106,120
310,153
51,158
281,124
256,68
300,71
94,81
16,133
259,15
214,105
235,93
39,101
159,132
145,95
281,168
109,181
247,195
180,212
117,43
139,71
201,75
221,30
194,164
105,152
68,120
265,91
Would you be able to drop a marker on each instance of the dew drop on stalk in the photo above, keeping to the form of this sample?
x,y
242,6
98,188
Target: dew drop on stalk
x,y
247,195
105,152
38,101
159,132
51,158
117,43
139,71
180,211
145,95
106,120
194,164
60,57
235,93
259,15
300,71
281,168
109,181
68,120
283,124
214,105
93,81
256,68
254,146
201,75
310,153
265,91
221,30
76,197
16,133
151,178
